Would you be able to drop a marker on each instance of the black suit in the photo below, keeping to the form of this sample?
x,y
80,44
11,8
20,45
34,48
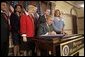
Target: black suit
x,y
43,29
15,22
4,35
41,19
15,28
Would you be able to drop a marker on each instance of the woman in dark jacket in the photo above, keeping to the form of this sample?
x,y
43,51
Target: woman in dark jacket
x,y
15,27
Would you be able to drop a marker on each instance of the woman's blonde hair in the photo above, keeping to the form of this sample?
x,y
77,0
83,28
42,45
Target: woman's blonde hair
x,y
30,7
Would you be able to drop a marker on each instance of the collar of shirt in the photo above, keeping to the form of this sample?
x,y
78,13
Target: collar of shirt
x,y
26,13
45,16
47,25
7,13
58,18
32,15
1,11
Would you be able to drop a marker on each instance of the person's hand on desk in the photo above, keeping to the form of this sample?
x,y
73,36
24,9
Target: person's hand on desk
x,y
46,33
53,33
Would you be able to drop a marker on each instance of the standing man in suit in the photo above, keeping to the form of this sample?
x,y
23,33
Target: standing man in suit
x,y
42,18
4,29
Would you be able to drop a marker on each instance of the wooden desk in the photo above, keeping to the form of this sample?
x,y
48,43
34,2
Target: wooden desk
x,y
54,44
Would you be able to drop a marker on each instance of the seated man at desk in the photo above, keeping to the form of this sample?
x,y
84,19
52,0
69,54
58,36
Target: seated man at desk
x,y
46,28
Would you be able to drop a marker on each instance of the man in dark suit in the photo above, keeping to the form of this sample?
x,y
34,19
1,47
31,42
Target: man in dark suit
x,y
4,30
46,29
42,17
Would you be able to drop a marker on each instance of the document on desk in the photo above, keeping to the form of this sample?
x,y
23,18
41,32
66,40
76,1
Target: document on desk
x,y
57,35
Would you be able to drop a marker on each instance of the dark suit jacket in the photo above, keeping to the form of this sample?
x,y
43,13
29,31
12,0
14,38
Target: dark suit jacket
x,y
43,29
4,29
15,22
41,19
4,35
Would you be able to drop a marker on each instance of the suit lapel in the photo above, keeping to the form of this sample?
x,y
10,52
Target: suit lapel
x,y
46,28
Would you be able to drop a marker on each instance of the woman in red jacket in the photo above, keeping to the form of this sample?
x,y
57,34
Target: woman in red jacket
x,y
27,28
